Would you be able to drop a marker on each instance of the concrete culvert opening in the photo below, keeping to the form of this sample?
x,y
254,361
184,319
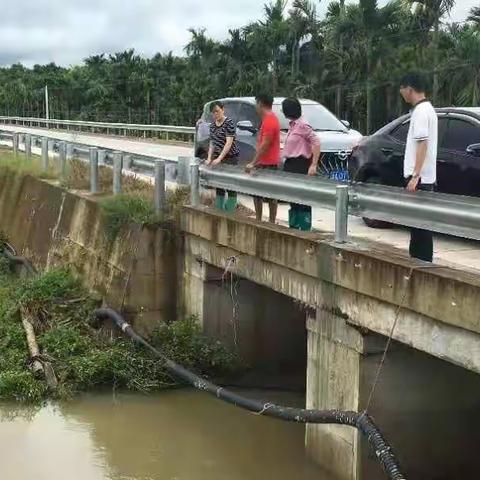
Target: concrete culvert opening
x,y
267,329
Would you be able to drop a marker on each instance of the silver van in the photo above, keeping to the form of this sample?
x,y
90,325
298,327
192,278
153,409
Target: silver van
x,y
336,137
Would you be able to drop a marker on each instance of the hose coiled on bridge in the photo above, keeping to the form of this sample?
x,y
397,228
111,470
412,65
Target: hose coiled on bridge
x,y
362,421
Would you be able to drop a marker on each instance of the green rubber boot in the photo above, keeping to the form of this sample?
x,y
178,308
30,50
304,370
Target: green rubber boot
x,y
293,218
220,202
231,204
304,221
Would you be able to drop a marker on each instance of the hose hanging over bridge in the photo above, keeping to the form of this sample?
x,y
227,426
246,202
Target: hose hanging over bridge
x,y
361,421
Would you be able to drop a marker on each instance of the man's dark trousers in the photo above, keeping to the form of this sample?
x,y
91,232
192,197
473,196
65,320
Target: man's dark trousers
x,y
421,241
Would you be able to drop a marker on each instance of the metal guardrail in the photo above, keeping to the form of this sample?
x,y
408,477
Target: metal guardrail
x,y
448,214
97,126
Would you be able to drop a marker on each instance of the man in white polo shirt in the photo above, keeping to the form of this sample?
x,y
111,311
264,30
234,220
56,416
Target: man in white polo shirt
x,y
420,163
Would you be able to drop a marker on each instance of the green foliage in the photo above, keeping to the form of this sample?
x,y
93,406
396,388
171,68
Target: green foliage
x,y
121,210
84,358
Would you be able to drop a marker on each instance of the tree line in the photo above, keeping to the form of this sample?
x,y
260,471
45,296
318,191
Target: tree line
x,y
350,60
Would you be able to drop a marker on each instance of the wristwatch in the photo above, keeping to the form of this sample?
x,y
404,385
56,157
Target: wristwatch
x,y
415,176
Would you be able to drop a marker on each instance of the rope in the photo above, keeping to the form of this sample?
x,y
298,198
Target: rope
x,y
389,341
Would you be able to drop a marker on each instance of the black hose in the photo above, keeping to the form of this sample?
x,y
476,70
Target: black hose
x,y
361,421
10,254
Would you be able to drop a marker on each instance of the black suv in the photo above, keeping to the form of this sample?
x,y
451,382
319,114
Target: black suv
x,y
379,157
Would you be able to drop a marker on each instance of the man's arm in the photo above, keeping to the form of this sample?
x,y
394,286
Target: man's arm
x,y
262,149
421,155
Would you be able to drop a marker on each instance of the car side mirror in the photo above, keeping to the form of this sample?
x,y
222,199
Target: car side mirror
x,y
346,123
474,149
246,126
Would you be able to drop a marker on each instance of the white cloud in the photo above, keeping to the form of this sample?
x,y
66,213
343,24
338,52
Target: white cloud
x,y
67,31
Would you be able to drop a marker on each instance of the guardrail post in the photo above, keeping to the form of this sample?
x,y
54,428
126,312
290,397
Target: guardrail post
x,y
101,156
160,200
28,146
195,184
93,171
15,141
127,161
44,154
341,214
69,152
183,170
51,146
62,160
117,173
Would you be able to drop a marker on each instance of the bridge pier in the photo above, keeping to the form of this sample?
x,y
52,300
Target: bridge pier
x,y
338,357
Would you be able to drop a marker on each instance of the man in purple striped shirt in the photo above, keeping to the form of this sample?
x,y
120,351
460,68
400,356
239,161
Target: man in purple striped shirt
x,y
301,153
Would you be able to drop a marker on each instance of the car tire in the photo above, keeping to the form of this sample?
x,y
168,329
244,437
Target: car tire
x,y
370,222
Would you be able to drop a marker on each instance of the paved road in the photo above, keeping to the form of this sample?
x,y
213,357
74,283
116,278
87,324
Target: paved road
x,y
448,250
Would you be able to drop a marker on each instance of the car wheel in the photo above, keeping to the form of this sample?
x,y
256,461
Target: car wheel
x,y
370,222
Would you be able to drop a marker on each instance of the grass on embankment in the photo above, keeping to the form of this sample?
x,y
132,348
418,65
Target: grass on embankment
x,y
83,358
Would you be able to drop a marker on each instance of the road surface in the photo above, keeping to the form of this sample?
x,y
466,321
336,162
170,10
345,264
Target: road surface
x,y
448,250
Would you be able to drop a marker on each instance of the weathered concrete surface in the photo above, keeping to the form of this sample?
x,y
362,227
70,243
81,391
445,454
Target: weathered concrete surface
x,y
365,282
135,273
357,291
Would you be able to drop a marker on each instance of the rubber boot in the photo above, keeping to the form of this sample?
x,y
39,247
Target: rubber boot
x,y
220,202
293,218
231,204
304,220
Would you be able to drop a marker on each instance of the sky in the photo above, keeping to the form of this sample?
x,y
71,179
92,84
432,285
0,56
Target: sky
x,y
67,31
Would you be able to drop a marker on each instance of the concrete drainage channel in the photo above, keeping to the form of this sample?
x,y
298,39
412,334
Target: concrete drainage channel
x,y
359,420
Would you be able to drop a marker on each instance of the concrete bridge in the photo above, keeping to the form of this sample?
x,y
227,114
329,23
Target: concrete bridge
x,y
296,305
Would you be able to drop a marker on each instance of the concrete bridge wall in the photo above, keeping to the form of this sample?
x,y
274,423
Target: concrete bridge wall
x,y
356,291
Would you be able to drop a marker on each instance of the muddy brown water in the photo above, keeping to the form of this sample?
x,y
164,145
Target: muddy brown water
x,y
176,435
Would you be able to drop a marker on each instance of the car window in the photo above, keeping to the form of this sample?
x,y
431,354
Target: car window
x,y
400,133
232,110
460,134
248,112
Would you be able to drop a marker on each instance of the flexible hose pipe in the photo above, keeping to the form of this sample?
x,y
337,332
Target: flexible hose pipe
x,y
361,421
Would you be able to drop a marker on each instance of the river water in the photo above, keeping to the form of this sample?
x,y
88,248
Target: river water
x,y
175,435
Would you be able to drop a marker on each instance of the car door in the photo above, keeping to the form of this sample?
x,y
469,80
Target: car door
x,y
247,141
459,170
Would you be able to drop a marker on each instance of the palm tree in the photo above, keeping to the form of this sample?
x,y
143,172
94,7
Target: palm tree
x,y
430,13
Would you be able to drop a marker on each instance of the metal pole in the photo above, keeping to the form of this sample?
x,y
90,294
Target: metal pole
x,y
15,141
47,104
62,157
93,171
195,184
117,173
28,146
160,200
341,214
44,154
101,156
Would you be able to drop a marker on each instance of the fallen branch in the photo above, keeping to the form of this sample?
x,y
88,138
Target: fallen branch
x,y
38,365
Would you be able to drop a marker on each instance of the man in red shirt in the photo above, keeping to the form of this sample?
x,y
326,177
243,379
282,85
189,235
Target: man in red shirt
x,y
268,150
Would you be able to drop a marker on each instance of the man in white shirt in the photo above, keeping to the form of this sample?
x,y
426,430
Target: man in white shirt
x,y
420,163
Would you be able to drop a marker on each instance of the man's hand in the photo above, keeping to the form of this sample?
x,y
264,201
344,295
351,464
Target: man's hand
x,y
249,167
208,162
312,171
412,184
217,161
